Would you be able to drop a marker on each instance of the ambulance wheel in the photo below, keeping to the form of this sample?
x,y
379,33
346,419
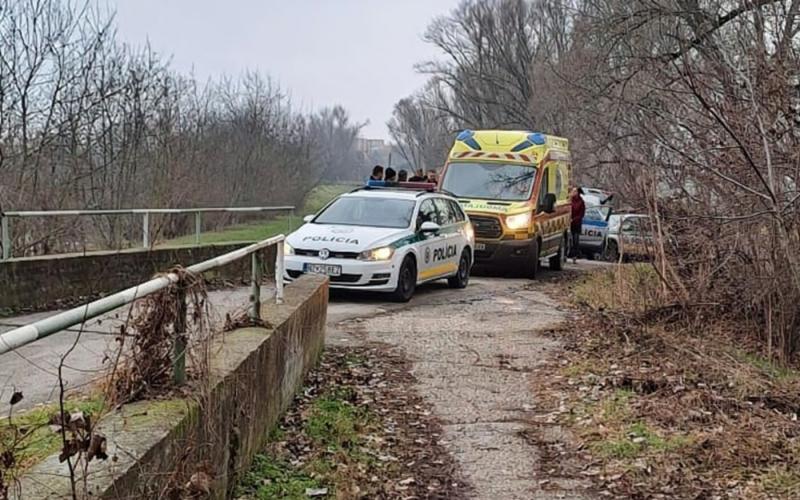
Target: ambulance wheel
x,y
557,261
461,279
532,268
406,281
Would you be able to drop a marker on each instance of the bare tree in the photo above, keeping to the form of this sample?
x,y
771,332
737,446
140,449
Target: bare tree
x,y
688,109
86,122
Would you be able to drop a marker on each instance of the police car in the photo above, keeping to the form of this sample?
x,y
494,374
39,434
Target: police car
x,y
594,230
385,237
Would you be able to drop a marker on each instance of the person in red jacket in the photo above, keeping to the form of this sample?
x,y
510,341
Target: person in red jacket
x,y
578,211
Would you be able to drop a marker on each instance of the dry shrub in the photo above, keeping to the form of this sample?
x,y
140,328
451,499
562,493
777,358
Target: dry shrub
x,y
665,403
145,360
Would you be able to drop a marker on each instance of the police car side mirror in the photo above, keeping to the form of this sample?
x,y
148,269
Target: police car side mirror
x,y
308,218
429,227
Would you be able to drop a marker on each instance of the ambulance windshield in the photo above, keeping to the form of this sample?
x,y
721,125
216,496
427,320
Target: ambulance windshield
x,y
367,211
489,181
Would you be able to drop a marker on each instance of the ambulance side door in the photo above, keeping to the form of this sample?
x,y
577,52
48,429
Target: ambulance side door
x,y
550,237
428,242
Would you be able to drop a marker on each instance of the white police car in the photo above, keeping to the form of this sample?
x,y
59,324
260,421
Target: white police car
x,y
387,238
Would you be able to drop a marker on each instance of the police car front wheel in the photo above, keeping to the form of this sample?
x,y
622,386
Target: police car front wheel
x,y
406,281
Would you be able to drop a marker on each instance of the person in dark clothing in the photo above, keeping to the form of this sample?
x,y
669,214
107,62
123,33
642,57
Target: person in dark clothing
x,y
432,177
578,211
402,176
419,176
391,175
377,173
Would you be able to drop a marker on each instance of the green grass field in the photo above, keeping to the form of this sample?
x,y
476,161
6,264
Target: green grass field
x,y
256,231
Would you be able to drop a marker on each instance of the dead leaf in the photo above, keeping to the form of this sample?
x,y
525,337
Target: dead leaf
x,y
200,483
97,448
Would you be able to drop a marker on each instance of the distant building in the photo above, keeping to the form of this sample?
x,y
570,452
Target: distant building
x,y
369,146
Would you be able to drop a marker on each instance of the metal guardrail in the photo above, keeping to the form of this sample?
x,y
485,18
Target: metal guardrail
x,y
5,218
43,328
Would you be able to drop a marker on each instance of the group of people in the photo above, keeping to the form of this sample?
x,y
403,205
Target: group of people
x,y
391,175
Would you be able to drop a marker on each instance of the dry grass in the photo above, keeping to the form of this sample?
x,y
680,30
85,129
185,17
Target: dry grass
x,y
661,404
148,342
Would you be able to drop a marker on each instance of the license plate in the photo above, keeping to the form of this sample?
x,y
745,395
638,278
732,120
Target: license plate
x,y
327,269
480,246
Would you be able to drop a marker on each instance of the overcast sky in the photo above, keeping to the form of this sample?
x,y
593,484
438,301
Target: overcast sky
x,y
357,53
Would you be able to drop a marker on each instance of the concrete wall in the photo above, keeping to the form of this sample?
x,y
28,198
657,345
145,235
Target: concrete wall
x,y
255,373
48,282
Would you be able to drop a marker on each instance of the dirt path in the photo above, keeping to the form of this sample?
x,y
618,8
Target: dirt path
x,y
472,353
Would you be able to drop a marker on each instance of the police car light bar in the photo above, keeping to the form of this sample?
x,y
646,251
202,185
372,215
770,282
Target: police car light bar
x,y
417,186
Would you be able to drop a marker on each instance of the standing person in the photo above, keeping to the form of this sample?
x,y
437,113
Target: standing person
x,y
419,176
402,176
432,177
391,175
578,211
377,173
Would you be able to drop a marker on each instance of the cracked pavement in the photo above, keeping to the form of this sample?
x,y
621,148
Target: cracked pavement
x,y
472,353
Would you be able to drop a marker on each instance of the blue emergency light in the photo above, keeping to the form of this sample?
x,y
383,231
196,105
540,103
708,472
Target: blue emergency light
x,y
419,186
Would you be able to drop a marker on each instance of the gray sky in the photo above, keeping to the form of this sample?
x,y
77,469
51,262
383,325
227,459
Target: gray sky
x,y
357,53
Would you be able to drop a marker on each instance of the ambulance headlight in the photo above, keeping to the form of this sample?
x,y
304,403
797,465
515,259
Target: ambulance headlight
x,y
519,221
287,248
382,253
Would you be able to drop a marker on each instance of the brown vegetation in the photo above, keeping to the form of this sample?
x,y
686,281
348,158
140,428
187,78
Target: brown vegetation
x,y
658,409
357,430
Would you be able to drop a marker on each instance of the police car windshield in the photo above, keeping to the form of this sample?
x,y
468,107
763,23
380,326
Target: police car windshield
x,y
491,181
368,211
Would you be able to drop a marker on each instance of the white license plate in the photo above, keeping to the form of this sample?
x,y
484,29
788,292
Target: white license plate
x,y
327,269
480,246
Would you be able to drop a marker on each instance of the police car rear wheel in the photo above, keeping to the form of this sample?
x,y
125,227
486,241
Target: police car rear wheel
x,y
611,251
461,279
406,281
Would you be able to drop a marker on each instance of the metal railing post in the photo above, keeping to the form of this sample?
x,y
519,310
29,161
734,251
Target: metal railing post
x,y
6,237
179,353
279,273
255,294
146,230
198,225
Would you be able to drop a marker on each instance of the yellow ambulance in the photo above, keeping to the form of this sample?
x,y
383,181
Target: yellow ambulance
x,y
514,185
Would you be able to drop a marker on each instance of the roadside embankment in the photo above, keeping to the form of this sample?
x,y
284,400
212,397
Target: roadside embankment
x,y
662,405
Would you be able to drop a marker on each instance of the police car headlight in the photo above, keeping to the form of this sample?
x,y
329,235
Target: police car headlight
x,y
519,221
382,253
287,248
469,232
